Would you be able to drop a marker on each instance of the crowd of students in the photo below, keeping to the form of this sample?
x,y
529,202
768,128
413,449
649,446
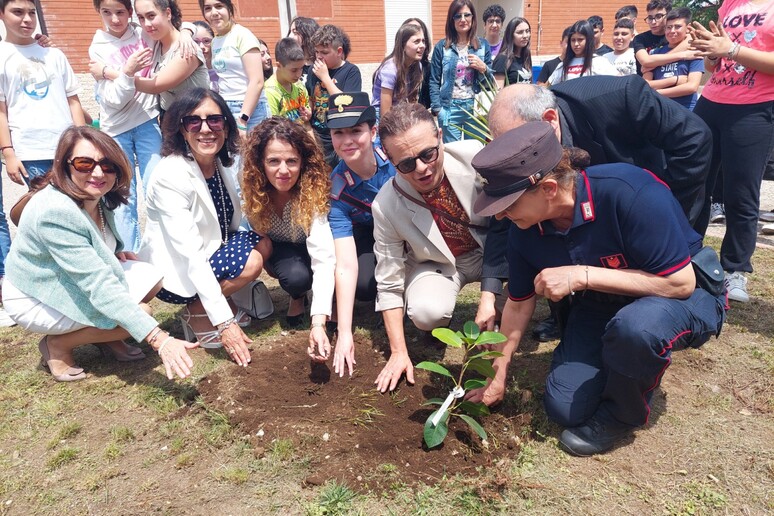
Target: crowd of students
x,y
391,199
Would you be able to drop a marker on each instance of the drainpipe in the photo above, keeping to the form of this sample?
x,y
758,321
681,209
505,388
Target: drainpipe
x,y
540,25
41,18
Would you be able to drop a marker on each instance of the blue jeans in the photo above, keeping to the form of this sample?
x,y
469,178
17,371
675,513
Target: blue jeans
x,y
5,235
612,357
260,113
144,142
456,117
36,167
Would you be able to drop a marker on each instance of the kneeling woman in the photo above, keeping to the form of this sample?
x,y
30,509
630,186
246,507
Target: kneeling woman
x,y
286,188
193,219
63,275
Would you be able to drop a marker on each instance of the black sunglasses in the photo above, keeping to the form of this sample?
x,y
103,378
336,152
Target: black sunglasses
x,y
429,155
193,123
459,16
86,165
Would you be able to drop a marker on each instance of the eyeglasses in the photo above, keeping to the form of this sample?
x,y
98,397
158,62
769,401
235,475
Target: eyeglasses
x,y
459,16
86,165
429,155
193,123
654,17
493,21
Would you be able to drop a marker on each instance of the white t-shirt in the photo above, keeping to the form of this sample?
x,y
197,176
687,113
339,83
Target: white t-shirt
x,y
34,84
227,52
121,107
599,66
625,63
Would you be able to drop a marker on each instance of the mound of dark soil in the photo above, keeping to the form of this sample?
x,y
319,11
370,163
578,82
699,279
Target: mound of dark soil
x,y
350,431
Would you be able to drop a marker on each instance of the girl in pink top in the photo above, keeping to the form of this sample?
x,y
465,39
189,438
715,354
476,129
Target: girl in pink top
x,y
738,105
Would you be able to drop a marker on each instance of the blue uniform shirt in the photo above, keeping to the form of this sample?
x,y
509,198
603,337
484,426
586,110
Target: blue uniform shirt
x,y
625,218
344,182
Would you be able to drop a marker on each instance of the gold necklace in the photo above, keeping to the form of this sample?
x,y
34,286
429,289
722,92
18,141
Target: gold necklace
x,y
101,221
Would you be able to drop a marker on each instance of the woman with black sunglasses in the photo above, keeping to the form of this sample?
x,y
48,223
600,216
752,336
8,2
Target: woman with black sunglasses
x,y
66,276
192,234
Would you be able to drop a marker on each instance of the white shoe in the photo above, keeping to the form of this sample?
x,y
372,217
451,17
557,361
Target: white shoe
x,y
736,284
768,229
5,319
766,216
717,213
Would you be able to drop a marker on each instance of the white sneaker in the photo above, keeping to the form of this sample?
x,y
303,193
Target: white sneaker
x,y
5,319
768,229
736,284
717,213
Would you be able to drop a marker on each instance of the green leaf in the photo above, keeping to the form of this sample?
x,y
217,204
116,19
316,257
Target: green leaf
x,y
434,401
487,354
474,409
482,366
490,337
434,435
435,368
474,383
448,337
471,330
473,424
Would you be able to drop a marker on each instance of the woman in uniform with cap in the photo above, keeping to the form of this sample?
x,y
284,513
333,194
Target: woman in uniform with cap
x,y
612,248
355,181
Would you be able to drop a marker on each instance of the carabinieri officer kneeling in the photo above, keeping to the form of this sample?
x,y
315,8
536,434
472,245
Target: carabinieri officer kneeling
x,y
611,246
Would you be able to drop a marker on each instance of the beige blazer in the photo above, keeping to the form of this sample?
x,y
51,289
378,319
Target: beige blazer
x,y
406,236
182,231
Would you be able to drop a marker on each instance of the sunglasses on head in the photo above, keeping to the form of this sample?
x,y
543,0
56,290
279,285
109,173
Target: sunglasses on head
x,y
427,156
193,123
459,16
86,165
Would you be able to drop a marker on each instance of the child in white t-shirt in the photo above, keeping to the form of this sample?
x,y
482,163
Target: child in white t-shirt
x,y
580,60
38,95
622,56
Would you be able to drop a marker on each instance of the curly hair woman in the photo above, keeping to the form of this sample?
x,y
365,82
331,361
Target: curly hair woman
x,y
286,186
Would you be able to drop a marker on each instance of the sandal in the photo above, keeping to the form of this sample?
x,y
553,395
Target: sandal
x,y
129,354
209,339
73,374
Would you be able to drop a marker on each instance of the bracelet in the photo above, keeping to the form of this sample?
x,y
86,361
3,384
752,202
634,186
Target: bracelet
x,y
103,72
225,324
169,337
318,325
713,59
153,336
242,127
6,147
733,51
587,280
677,80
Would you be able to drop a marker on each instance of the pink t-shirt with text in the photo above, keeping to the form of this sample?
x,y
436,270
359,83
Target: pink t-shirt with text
x,y
752,25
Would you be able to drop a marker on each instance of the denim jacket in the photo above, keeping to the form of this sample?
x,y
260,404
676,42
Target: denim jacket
x,y
443,66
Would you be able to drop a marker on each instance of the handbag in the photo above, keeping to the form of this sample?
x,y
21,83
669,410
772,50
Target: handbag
x,y
709,272
254,299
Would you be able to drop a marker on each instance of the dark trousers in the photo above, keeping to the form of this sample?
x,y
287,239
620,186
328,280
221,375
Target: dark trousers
x,y
292,266
611,357
366,262
742,140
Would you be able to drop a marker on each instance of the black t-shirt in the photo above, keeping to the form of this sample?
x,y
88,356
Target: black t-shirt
x,y
346,77
548,69
516,72
646,41
604,49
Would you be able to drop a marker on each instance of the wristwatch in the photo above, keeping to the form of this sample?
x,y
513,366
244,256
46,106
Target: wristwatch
x,y
244,118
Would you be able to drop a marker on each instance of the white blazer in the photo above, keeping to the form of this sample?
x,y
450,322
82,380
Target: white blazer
x,y
183,231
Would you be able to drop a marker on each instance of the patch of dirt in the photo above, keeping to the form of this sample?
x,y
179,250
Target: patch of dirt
x,y
350,431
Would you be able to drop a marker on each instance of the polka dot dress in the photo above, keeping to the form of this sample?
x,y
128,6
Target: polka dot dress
x,y
229,260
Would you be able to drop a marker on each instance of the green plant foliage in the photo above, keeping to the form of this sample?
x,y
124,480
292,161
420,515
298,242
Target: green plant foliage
x,y
482,366
469,340
436,368
474,425
448,337
435,434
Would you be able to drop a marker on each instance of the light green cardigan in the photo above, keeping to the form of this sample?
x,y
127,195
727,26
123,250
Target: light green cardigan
x,y
60,258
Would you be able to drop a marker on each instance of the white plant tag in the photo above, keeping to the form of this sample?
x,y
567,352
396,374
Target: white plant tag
x,y
458,392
